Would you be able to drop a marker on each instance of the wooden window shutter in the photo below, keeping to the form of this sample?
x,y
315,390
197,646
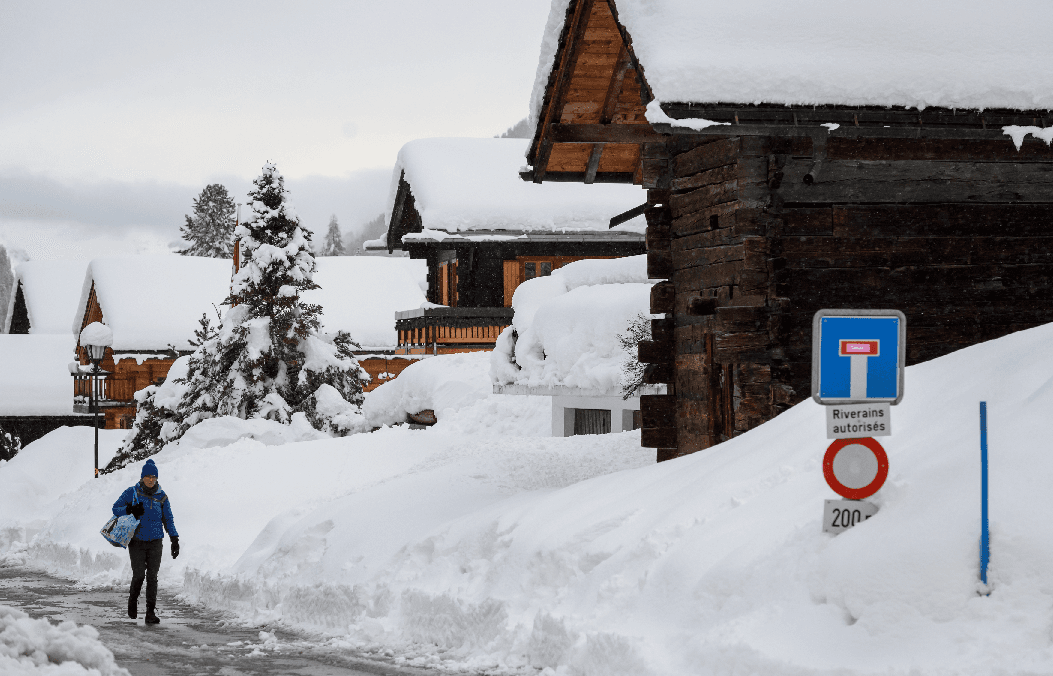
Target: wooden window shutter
x,y
444,289
511,269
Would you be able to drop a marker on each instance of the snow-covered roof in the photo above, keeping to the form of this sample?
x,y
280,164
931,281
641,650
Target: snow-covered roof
x,y
474,184
51,290
568,325
361,294
34,374
153,302
950,53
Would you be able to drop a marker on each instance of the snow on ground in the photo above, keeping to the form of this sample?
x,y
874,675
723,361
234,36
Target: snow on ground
x,y
580,555
457,388
31,647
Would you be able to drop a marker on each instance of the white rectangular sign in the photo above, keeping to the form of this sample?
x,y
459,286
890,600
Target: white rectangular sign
x,y
854,421
840,515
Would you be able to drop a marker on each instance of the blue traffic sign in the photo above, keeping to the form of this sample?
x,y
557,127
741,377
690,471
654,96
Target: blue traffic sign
x,y
858,356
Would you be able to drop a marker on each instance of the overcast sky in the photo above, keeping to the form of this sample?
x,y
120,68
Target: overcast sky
x,y
114,115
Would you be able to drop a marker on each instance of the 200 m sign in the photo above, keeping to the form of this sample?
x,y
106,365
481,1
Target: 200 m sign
x,y
840,515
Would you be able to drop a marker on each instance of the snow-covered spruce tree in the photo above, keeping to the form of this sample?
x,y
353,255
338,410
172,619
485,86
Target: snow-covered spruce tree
x,y
334,241
268,359
210,231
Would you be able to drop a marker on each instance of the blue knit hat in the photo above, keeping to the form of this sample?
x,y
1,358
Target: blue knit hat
x,y
149,469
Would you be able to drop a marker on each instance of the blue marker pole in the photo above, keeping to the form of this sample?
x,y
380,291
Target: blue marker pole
x,y
985,541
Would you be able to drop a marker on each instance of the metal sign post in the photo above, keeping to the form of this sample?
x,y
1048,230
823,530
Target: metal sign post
x,y
858,360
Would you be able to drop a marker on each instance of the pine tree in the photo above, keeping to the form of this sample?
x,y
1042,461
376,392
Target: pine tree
x,y
10,444
267,359
334,241
210,231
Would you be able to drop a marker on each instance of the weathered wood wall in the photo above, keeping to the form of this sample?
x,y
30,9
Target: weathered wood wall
x,y
957,234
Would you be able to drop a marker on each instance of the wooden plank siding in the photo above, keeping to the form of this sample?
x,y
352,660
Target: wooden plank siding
x,y
754,226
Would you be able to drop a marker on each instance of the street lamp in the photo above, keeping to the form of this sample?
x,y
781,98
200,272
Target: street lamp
x,y
95,338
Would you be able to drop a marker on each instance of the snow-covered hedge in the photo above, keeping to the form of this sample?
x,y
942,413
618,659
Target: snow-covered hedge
x,y
441,383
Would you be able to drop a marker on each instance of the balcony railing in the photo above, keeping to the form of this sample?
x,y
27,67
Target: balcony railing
x,y
83,396
450,329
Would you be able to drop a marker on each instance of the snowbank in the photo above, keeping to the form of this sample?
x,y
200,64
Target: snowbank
x,y
565,329
361,294
442,383
582,556
463,184
51,290
951,53
38,648
34,374
154,302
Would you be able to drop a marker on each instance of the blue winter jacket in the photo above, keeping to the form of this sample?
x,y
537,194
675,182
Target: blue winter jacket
x,y
158,512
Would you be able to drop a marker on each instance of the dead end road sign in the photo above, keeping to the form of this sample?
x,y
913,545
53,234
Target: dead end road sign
x,y
858,356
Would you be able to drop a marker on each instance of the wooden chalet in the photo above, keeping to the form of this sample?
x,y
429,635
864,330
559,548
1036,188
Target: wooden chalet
x,y
458,204
153,305
795,161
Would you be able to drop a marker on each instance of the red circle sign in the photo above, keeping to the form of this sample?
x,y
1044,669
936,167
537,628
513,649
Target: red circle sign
x,y
855,468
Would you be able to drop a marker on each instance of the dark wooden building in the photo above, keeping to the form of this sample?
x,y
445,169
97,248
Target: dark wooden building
x,y
763,213
458,204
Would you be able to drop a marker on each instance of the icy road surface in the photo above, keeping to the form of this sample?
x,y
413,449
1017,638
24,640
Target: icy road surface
x,y
188,640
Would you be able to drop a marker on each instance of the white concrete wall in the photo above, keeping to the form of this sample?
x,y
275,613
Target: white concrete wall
x,y
563,412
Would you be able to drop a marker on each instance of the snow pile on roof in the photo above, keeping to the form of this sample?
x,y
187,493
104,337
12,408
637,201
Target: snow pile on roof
x,y
473,184
51,290
950,53
580,555
153,302
361,294
565,329
442,383
29,647
34,374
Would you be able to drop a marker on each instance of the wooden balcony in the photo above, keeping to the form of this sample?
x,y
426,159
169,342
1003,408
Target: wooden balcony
x,y
447,330
103,396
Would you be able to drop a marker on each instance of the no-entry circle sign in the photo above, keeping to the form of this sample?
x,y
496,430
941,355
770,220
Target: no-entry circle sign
x,y
855,468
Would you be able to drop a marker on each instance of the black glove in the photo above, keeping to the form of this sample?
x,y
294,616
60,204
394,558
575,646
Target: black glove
x,y
175,548
135,510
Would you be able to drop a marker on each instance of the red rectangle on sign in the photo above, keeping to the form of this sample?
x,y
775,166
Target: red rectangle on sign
x,y
867,348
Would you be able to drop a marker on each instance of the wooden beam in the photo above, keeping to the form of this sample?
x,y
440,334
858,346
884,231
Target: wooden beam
x,y
919,182
602,133
594,163
575,35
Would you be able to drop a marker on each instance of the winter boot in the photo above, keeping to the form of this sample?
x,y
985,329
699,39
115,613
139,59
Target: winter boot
x,y
133,607
151,618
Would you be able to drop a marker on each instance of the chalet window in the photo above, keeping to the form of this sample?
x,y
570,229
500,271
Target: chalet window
x,y
530,270
546,268
592,421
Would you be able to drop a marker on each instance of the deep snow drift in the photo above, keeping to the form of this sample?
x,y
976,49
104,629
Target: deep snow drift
x,y
582,556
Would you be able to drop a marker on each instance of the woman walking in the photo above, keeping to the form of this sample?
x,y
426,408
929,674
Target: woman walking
x,y
148,503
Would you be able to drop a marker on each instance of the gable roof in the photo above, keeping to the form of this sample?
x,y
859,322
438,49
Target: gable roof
x,y
466,185
50,290
948,53
153,303
702,64
34,379
361,294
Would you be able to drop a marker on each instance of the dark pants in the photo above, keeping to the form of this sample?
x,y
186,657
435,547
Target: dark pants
x,y
146,561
